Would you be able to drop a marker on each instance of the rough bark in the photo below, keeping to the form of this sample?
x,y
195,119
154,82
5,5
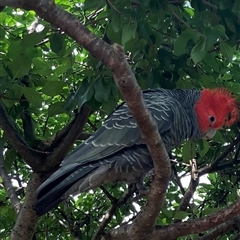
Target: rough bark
x,y
27,220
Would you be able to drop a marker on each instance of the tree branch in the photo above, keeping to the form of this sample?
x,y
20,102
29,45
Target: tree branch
x,y
184,228
194,181
55,158
213,165
27,219
219,230
116,203
8,184
209,4
33,158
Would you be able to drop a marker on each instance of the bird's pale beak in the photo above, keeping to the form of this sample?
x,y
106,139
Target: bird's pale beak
x,y
210,133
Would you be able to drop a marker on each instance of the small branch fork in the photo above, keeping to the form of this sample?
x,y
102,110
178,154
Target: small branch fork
x,y
116,203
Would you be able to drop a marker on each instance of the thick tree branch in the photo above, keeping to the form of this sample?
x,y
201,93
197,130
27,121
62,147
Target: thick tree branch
x,y
176,230
28,154
27,220
198,225
144,222
57,139
8,184
219,230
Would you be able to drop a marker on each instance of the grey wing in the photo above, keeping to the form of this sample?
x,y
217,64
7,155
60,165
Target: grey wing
x,y
119,131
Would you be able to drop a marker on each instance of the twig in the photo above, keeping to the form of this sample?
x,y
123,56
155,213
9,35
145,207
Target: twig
x,y
209,4
186,24
178,179
194,181
109,196
111,4
112,210
211,166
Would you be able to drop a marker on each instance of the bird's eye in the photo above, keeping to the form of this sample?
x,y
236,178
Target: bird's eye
x,y
212,119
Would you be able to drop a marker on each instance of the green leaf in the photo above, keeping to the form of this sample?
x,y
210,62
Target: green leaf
x,y
236,8
143,30
230,25
3,16
56,108
221,29
94,4
30,40
182,40
234,87
209,210
53,88
189,151
20,66
84,93
198,52
227,51
210,60
181,215
102,90
109,106
203,147
12,95
57,42
116,22
9,159
128,32
2,33
39,63
32,96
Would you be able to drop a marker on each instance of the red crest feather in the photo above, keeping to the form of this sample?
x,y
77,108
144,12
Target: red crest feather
x,y
217,103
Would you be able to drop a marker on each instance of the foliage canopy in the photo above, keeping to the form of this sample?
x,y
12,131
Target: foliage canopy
x,y
46,78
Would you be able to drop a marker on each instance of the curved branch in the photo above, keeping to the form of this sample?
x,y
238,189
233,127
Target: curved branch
x,y
219,230
124,78
55,158
176,230
32,157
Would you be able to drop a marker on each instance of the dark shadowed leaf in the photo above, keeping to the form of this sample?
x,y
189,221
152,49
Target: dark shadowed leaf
x,y
32,96
227,51
53,88
56,108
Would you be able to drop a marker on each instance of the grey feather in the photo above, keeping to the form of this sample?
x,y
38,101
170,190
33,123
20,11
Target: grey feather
x,y
117,152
